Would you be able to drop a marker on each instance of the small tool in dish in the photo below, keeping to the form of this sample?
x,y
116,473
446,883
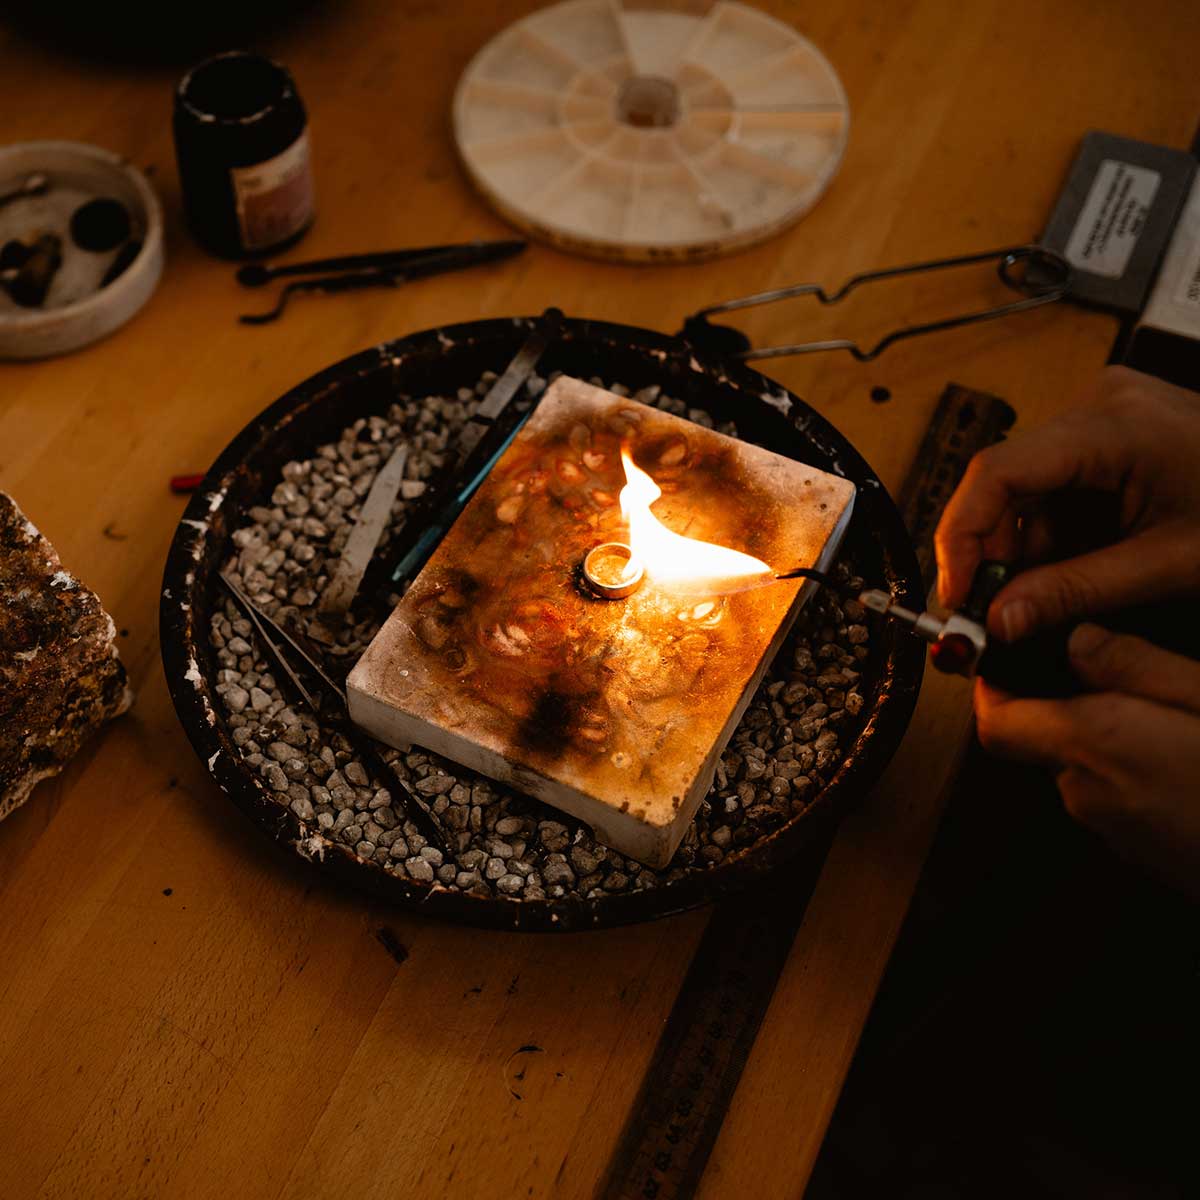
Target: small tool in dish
x,y
28,283
37,184
364,538
275,638
485,438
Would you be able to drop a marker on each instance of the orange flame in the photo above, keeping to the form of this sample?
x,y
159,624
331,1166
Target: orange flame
x,y
670,559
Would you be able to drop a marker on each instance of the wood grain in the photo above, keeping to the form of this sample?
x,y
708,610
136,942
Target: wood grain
x,y
248,1034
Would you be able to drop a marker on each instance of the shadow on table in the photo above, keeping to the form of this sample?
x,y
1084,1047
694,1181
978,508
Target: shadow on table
x,y
1036,1033
123,32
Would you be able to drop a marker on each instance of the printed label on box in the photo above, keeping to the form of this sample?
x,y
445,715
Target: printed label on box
x,y
1174,304
274,198
1189,282
1112,218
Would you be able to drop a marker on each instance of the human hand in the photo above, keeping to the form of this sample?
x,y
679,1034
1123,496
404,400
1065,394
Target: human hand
x,y
1134,437
1126,754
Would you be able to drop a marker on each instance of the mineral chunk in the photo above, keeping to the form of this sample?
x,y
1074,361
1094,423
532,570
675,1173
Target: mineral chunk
x,y
60,677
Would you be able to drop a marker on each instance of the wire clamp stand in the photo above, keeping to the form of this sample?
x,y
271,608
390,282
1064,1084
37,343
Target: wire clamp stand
x,y
1046,277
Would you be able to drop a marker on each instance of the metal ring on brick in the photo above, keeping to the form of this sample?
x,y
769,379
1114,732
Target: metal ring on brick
x,y
439,361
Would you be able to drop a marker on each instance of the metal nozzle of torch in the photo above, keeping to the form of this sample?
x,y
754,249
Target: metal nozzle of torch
x,y
957,643
1038,665
960,644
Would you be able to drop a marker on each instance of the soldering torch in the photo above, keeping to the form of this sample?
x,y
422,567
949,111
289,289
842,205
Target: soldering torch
x,y
960,644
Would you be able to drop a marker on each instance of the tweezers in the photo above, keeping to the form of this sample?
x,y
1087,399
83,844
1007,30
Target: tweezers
x,y
1046,278
487,435
385,268
274,637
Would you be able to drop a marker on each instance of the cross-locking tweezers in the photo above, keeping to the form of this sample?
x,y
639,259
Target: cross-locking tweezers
x,y
384,268
1047,278
274,637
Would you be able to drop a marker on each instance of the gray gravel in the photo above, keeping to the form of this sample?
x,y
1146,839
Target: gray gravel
x,y
505,844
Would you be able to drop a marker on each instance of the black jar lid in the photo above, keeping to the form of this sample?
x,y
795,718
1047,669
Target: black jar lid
x,y
235,88
243,103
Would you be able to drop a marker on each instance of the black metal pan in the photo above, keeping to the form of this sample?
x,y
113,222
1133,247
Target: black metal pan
x,y
438,362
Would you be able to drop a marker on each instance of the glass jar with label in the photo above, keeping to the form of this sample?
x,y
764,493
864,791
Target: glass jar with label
x,y
241,141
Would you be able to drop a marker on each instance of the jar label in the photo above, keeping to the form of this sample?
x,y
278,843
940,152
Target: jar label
x,y
274,198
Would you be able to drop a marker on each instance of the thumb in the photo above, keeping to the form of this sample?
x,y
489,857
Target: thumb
x,y
1160,562
1110,662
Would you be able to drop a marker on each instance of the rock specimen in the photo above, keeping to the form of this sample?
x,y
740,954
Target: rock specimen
x,y
60,677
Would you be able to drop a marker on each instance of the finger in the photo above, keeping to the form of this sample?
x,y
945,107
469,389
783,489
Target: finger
x,y
1091,799
1036,731
1140,800
1037,538
1117,663
1102,802
1003,544
1078,449
1102,732
1161,562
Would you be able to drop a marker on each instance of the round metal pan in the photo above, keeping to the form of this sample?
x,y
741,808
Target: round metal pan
x,y
437,362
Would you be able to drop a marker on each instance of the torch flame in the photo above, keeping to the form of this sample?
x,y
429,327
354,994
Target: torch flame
x,y
670,559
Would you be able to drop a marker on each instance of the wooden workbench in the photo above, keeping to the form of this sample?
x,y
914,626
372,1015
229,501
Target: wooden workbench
x,y
186,1011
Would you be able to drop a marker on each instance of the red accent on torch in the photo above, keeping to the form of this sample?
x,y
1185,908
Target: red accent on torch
x,y
953,654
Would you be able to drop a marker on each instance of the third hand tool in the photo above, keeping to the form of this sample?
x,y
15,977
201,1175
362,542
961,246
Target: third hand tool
x,y
1041,276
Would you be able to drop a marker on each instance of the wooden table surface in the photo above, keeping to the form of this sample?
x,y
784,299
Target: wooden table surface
x,y
186,1011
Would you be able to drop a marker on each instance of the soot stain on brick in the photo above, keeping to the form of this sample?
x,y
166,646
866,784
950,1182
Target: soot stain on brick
x,y
501,619
549,729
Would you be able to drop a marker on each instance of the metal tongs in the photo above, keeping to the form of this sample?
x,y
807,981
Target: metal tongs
x,y
383,268
274,638
1046,278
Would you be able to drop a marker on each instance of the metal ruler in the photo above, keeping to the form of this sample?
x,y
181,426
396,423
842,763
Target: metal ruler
x,y
964,423
708,1036
694,1071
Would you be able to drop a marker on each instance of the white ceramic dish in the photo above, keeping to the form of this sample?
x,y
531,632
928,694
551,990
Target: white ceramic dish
x,y
77,309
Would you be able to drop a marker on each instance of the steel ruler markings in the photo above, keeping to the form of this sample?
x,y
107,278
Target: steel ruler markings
x,y
708,1036
687,1089
964,423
